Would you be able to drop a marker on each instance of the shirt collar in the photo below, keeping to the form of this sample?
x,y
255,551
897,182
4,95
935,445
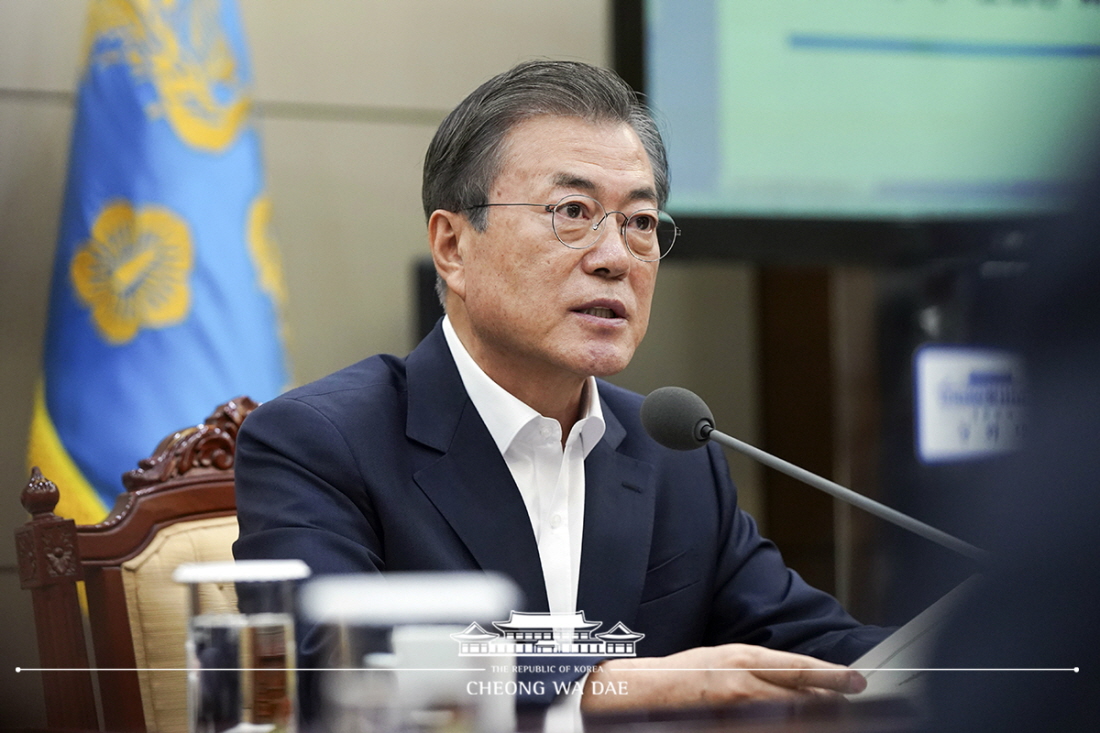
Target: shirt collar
x,y
503,413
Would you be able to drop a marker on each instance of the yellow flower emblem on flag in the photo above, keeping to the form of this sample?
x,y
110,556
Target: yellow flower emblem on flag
x,y
265,252
182,49
133,272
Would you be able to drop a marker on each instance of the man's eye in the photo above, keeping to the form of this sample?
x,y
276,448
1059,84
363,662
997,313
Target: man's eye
x,y
574,210
643,222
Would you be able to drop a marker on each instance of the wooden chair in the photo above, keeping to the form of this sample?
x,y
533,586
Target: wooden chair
x,y
178,506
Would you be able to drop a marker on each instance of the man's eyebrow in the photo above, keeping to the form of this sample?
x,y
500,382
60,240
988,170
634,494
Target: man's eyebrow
x,y
643,194
568,180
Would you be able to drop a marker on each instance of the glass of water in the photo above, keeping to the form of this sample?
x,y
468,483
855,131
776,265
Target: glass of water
x,y
397,663
240,645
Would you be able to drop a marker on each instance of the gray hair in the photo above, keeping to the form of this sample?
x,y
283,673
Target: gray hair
x,y
464,157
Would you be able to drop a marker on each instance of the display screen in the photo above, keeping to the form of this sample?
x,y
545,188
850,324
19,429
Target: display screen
x,y
873,109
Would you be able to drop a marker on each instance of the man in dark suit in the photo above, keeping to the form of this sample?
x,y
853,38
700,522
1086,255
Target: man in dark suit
x,y
493,446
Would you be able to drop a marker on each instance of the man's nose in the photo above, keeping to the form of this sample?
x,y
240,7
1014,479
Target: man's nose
x,y
611,251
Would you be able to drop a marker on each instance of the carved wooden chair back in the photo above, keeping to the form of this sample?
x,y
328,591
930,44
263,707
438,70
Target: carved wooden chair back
x,y
178,506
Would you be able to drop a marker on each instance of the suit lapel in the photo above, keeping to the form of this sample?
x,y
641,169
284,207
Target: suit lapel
x,y
470,483
618,526
472,488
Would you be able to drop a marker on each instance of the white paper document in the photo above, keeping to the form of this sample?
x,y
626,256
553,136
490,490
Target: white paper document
x,y
896,666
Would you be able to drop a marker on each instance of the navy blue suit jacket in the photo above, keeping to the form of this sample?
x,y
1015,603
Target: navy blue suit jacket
x,y
386,465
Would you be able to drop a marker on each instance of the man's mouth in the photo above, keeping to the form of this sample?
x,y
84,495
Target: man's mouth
x,y
600,312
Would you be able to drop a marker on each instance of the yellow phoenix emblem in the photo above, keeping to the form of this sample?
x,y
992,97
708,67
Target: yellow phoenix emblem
x,y
182,50
133,272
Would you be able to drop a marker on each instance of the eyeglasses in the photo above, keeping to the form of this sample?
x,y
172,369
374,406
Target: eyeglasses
x,y
577,222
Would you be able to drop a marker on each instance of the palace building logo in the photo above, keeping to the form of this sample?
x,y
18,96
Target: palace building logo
x,y
541,634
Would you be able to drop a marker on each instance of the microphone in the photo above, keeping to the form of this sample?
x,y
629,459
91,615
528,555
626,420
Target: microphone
x,y
678,418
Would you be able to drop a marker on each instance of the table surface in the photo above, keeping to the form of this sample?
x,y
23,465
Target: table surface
x,y
881,715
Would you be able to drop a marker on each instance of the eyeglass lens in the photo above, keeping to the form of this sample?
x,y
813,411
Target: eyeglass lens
x,y
579,223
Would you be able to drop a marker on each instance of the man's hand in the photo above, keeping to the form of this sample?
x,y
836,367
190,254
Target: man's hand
x,y
713,676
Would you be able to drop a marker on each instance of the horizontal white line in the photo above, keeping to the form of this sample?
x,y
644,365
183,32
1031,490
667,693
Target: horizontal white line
x,y
477,669
246,669
860,669
969,669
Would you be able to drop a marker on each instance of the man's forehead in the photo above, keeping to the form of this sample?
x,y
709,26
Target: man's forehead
x,y
570,152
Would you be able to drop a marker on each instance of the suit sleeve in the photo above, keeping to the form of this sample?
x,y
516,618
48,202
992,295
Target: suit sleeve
x,y
299,492
759,600
300,495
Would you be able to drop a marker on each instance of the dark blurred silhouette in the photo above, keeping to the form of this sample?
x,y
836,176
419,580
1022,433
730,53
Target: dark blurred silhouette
x,y
1041,514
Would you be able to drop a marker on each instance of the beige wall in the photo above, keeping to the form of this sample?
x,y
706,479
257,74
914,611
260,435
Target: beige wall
x,y
349,93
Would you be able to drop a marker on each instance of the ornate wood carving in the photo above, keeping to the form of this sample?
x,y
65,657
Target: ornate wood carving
x,y
49,566
207,446
40,495
27,558
46,545
189,475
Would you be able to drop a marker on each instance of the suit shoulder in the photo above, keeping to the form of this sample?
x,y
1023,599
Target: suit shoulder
x,y
360,388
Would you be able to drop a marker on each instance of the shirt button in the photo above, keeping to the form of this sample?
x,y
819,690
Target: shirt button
x,y
555,521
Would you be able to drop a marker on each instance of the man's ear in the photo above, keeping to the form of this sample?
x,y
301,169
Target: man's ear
x,y
447,231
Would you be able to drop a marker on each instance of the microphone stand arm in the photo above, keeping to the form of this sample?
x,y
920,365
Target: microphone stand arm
x,y
847,495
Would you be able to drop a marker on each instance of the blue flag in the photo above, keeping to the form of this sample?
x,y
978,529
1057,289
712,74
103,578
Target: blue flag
x,y
167,286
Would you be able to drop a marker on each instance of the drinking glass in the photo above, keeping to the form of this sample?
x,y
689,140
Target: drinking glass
x,y
397,665
241,653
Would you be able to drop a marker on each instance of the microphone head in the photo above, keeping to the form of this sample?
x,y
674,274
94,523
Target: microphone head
x,y
677,418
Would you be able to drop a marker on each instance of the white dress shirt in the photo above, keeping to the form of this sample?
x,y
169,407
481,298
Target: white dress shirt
x,y
550,478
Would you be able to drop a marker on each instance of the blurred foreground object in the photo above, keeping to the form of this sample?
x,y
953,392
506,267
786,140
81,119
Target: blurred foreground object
x,y
395,637
1041,507
241,654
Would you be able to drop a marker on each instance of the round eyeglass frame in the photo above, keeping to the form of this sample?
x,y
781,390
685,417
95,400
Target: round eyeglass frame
x,y
553,208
